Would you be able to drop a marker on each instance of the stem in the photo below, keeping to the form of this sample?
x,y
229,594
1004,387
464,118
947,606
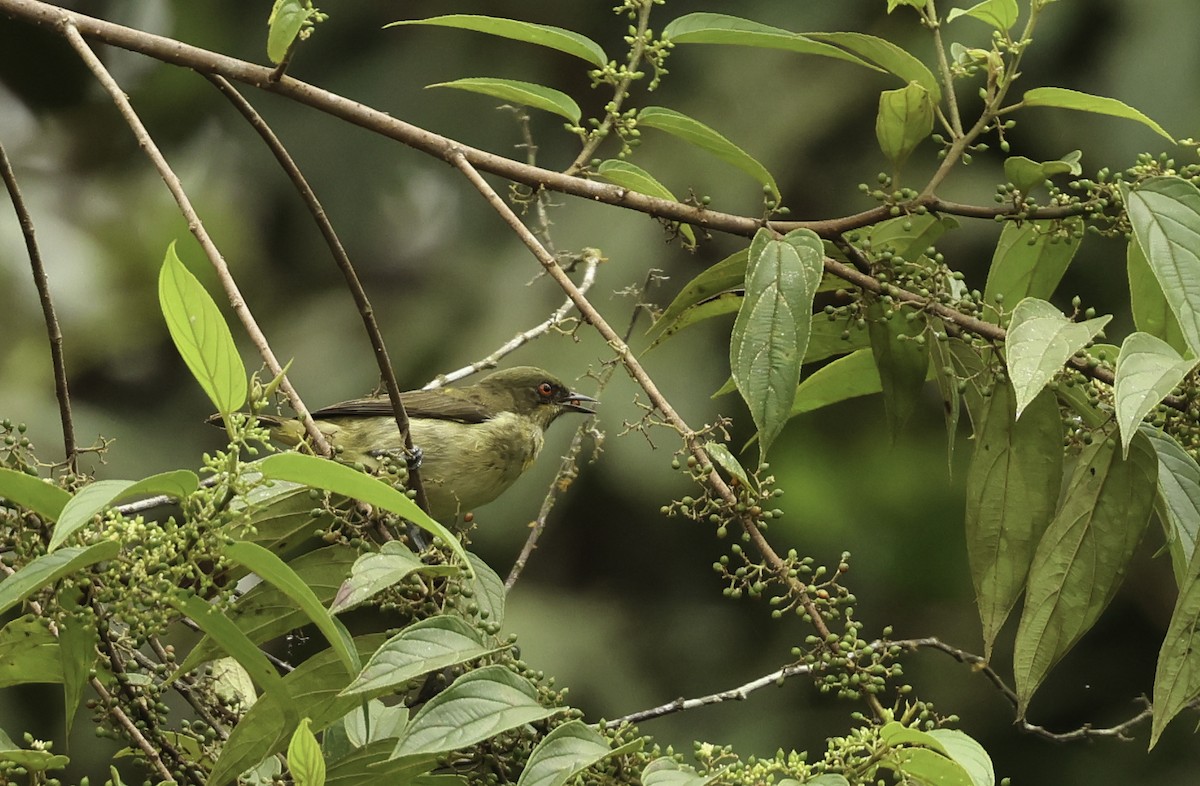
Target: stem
x,y
931,19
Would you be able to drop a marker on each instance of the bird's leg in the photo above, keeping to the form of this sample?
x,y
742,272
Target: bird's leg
x,y
411,458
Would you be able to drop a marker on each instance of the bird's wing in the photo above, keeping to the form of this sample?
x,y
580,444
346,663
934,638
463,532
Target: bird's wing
x,y
433,404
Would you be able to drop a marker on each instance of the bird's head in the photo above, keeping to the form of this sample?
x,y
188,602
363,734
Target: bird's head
x,y
532,392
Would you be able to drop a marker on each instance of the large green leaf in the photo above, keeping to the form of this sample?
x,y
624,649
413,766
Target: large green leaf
x,y
30,491
29,652
727,275
969,754
704,137
567,41
902,357
887,56
1151,312
525,93
1083,555
1000,14
920,757
633,177
1178,500
429,645
904,119
102,494
1030,259
771,332
847,377
567,751
1177,677
1040,340
1012,491
201,336
1063,98
283,25
708,28
1148,369
49,568
374,572
1165,215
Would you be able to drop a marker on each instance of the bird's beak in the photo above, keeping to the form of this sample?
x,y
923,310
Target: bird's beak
x,y
577,402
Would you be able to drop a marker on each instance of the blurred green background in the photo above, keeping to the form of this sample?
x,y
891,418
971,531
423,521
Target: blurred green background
x,y
618,602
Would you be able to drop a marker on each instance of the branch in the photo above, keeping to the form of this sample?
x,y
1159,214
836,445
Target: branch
x,y
68,30
52,327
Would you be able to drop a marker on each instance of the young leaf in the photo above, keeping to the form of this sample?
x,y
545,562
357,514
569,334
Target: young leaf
x,y
905,118
969,754
525,93
387,723
708,28
432,644
1000,14
725,459
1165,215
564,753
1148,369
478,705
700,135
1026,174
30,491
1178,500
1012,491
902,357
283,25
1063,98
201,336
1151,312
887,56
1083,555
543,35
374,572
49,568
1039,341
1030,259
771,332
304,759
634,178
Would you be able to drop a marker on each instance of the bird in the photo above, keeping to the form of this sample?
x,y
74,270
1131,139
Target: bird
x,y
473,442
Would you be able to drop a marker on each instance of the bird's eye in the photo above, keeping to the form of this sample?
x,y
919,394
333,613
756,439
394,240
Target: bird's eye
x,y
545,390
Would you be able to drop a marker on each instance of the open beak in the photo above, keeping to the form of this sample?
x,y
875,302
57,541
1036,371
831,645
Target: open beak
x,y
577,402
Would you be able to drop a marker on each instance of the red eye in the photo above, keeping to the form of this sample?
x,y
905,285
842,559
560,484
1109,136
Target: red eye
x,y
545,390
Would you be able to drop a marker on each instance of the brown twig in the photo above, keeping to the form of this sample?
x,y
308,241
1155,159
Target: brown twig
x,y
69,31
363,303
53,331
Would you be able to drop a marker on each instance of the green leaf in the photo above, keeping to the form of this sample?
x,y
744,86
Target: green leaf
x,y
831,338
304,759
847,377
370,764
32,493
1178,500
708,28
1177,676
668,772
1063,98
700,135
1083,555
1151,312
968,753
488,590
1148,369
101,494
725,459
1039,341
429,645
564,753
344,480
1030,259
29,653
478,705
1165,215
908,236
1012,492
771,332
634,178
1026,174
77,640
38,761
905,118
542,35
375,572
887,56
284,24
903,361
725,276
49,568
276,572
725,303
201,336
1000,14
525,93
387,723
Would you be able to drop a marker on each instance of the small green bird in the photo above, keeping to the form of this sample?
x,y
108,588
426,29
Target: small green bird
x,y
474,441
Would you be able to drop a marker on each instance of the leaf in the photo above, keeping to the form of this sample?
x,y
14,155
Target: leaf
x,y
1039,341
1177,676
1148,369
564,753
429,645
49,568
201,336
375,572
708,28
1030,259
488,590
888,56
828,338
1151,312
1178,500
1082,557
32,493
304,759
908,236
101,494
478,705
725,303
1000,14
700,135
725,459
276,572
387,723
371,765
1063,98
771,332
902,359
1165,215
1025,174
77,652
634,178
668,772
525,93
847,377
727,275
563,40
344,480
284,24
968,753
29,653
1012,492
905,118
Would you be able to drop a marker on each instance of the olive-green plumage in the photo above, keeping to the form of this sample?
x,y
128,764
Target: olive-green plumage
x,y
475,441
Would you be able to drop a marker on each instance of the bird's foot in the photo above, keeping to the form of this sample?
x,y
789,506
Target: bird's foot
x,y
411,458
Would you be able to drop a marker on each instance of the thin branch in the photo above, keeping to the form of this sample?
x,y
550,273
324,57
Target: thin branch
x,y
344,264
740,693
53,331
69,31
